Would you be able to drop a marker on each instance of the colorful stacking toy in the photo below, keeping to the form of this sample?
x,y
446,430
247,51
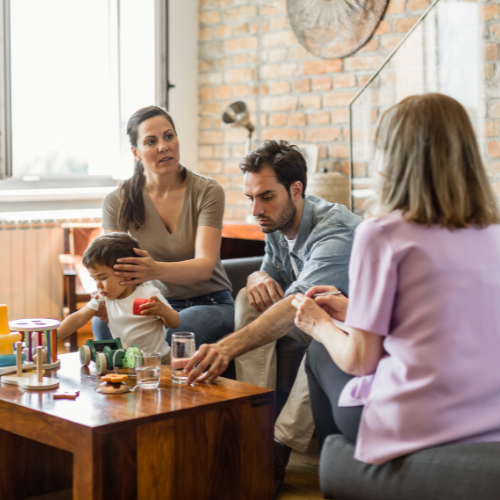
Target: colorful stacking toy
x,y
39,332
8,359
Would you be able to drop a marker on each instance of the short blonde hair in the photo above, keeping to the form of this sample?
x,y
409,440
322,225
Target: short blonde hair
x,y
430,165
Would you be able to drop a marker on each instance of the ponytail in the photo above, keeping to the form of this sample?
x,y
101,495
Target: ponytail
x,y
132,201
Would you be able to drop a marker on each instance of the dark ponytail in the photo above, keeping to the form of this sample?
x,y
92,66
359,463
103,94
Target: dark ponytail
x,y
132,201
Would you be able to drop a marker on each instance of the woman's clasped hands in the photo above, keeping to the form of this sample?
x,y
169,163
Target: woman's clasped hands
x,y
314,311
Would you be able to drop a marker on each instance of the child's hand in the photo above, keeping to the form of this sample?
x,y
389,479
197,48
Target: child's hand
x,y
153,308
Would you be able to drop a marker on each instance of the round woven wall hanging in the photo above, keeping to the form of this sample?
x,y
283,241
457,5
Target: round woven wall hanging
x,y
332,29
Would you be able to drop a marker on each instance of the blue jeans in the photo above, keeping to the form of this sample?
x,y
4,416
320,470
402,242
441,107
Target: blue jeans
x,y
210,317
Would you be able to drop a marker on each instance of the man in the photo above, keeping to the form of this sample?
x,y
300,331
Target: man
x,y
308,243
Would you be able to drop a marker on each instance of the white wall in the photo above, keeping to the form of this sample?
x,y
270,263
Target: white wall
x,y
183,61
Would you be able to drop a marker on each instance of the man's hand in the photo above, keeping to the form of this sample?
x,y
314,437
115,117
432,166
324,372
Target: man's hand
x,y
214,355
334,305
263,291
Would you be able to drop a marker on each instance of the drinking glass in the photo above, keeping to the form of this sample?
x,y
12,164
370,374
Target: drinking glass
x,y
147,369
183,349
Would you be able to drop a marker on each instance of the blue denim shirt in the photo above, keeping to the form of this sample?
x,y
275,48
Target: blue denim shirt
x,y
321,251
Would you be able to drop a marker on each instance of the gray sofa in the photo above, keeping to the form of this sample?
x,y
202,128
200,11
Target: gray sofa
x,y
289,352
467,471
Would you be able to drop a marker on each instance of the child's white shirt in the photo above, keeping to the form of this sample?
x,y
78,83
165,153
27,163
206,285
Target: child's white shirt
x,y
148,332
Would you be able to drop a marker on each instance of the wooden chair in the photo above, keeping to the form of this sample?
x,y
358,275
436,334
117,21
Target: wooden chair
x,y
77,282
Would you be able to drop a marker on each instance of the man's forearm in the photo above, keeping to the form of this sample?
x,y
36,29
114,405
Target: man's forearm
x,y
272,324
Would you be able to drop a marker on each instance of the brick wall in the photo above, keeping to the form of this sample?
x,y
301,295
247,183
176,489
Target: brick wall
x,y
249,52
491,152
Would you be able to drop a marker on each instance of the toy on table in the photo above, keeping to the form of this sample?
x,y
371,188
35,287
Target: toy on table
x,y
113,384
137,305
7,339
45,335
66,395
35,381
108,355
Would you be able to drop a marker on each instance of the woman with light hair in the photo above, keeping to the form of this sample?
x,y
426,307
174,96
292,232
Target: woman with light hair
x,y
419,367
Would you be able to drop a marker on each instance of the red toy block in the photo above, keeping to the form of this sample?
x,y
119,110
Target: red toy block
x,y
137,303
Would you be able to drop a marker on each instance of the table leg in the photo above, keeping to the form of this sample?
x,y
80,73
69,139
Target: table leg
x,y
104,467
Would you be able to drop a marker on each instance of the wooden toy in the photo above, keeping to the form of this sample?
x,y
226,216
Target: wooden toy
x,y
108,355
137,305
31,381
66,395
113,384
46,330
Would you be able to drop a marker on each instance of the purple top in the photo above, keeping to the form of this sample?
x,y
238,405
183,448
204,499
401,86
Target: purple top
x,y
434,295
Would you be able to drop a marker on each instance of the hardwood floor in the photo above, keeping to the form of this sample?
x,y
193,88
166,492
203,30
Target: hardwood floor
x,y
302,476
301,481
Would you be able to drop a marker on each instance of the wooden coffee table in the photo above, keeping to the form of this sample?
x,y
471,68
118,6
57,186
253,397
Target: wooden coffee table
x,y
211,441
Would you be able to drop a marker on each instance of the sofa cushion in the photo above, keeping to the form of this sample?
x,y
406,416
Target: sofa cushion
x,y
462,471
239,269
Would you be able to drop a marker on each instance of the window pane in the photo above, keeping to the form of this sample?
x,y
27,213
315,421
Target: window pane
x,y
66,83
137,67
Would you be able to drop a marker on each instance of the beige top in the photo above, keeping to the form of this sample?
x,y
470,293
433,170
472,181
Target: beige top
x,y
203,206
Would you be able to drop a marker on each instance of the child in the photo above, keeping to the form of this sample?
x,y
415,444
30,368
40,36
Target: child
x,y
146,330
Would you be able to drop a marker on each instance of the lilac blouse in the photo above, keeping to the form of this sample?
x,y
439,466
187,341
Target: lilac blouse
x,y
434,295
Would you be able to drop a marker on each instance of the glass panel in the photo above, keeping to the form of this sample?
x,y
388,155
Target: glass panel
x,y
448,52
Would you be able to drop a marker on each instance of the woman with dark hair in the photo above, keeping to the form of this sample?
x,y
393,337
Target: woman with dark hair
x,y
176,215
419,367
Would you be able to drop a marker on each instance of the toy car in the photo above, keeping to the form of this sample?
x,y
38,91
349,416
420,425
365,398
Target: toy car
x,y
108,354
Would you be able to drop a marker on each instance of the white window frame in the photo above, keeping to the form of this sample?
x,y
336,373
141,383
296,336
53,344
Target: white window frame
x,y
5,102
161,49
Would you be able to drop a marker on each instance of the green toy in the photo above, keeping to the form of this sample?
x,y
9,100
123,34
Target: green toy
x,y
108,354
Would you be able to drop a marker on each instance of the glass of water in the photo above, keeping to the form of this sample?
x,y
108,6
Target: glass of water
x,y
147,369
183,349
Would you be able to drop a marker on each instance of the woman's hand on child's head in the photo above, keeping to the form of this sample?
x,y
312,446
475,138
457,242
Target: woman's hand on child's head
x,y
136,270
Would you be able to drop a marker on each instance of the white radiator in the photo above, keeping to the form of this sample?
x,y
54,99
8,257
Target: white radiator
x,y
31,282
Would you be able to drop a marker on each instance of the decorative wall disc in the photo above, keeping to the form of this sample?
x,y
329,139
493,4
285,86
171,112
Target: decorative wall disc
x,y
332,29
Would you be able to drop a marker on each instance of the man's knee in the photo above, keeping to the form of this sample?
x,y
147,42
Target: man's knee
x,y
244,313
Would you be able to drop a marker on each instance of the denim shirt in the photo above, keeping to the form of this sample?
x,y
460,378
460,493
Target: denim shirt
x,y
321,251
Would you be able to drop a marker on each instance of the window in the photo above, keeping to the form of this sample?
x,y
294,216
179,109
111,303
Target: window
x,y
79,69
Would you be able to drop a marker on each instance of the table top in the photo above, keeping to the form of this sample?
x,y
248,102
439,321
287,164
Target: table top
x,y
92,409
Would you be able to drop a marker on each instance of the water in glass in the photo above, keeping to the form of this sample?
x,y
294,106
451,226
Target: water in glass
x,y
183,348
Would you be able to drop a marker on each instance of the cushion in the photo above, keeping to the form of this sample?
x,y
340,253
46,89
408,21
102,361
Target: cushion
x,y
239,269
464,471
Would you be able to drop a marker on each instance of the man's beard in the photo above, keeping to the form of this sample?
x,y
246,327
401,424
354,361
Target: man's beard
x,y
285,219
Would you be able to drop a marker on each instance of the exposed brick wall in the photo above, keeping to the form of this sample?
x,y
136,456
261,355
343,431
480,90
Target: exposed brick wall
x,y
491,16
249,52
